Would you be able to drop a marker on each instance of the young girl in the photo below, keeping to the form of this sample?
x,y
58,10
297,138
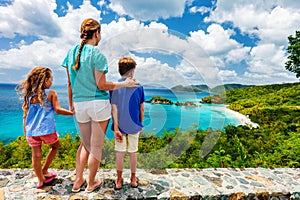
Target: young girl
x,y
39,106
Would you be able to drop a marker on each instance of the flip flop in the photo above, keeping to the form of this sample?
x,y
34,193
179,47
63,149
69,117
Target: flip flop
x,y
49,180
46,181
52,175
39,186
115,185
137,183
78,190
95,188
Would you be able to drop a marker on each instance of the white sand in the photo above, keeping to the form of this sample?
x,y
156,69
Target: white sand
x,y
242,118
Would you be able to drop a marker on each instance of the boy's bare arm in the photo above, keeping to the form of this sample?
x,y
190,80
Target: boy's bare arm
x,y
117,133
114,110
142,112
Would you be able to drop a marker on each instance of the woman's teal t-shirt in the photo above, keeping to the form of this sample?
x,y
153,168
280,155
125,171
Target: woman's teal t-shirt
x,y
84,87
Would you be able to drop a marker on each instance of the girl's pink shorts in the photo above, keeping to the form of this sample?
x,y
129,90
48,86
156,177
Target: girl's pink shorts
x,y
47,139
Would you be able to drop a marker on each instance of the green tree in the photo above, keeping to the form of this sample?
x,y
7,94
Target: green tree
x,y
293,62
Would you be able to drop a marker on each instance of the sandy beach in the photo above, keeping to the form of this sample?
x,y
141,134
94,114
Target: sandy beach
x,y
242,118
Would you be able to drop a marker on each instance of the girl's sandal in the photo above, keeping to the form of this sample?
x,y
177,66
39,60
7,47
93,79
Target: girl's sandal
x,y
51,175
46,181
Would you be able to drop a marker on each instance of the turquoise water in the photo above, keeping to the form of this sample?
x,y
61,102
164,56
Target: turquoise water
x,y
158,118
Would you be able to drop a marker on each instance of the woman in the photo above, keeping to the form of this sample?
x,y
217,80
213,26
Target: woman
x,y
87,87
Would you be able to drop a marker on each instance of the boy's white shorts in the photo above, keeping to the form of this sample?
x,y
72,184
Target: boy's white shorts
x,y
129,143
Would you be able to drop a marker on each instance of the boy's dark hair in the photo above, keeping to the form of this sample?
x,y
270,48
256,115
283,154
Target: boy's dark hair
x,y
125,65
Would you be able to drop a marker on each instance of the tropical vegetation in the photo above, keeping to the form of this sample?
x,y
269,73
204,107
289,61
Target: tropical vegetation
x,y
275,143
293,60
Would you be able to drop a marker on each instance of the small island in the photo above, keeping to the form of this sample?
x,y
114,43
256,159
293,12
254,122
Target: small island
x,y
162,100
188,103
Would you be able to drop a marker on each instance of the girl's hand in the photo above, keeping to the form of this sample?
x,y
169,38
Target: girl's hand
x,y
72,109
130,82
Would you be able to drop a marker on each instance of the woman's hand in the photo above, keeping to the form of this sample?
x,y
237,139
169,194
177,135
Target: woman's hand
x,y
130,82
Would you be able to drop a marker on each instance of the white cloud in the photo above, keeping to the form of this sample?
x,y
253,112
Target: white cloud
x,y
47,51
224,73
266,79
267,58
271,21
48,48
228,76
28,56
216,41
150,71
290,3
219,45
280,23
201,9
202,53
145,10
237,55
29,18
101,3
267,66
117,7
195,65
118,38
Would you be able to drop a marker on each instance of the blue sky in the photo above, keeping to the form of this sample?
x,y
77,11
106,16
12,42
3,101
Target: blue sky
x,y
173,41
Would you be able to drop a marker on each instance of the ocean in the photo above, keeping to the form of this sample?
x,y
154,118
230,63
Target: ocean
x,y
158,117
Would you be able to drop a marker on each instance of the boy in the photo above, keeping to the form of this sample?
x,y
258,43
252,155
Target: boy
x,y
128,115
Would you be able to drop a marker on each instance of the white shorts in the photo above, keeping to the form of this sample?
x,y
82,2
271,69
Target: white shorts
x,y
129,143
95,110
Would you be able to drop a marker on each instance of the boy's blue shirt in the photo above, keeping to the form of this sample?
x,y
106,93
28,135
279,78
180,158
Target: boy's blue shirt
x,y
128,101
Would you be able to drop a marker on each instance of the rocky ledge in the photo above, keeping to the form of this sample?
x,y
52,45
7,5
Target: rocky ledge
x,y
222,183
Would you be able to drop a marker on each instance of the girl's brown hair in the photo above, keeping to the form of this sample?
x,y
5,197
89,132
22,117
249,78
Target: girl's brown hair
x,y
34,84
88,28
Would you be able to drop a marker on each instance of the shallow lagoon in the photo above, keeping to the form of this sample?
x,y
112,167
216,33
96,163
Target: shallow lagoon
x,y
158,118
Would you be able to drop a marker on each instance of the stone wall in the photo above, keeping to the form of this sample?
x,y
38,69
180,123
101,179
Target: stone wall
x,y
222,183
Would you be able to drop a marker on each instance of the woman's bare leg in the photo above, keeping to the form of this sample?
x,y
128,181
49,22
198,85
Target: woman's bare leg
x,y
97,140
82,154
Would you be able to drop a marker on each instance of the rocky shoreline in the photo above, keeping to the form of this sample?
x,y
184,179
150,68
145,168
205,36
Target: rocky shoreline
x,y
221,183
